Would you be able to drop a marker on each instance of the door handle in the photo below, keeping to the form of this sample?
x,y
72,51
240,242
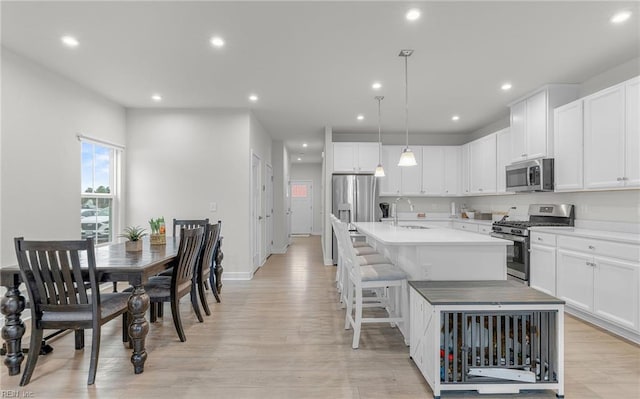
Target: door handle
x,y
260,218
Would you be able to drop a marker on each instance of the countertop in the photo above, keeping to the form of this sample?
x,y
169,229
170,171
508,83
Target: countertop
x,y
439,219
630,238
491,292
398,235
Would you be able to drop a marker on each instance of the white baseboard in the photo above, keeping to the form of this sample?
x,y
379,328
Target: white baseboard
x,y
328,261
240,276
281,250
610,327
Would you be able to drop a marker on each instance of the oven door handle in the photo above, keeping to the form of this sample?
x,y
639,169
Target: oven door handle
x,y
509,237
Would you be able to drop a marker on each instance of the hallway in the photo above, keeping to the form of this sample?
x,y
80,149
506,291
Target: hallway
x,y
281,335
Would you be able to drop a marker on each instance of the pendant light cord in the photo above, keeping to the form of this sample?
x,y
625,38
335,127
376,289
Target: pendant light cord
x,y
406,98
379,98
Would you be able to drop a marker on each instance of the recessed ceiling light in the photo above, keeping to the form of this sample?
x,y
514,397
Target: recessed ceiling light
x,y
299,159
620,17
253,98
376,85
413,14
70,41
455,118
360,117
217,41
506,86
304,145
156,97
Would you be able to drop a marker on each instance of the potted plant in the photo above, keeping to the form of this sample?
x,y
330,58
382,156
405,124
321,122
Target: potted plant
x,y
134,234
158,231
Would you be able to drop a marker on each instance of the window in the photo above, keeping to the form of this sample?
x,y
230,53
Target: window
x,y
98,191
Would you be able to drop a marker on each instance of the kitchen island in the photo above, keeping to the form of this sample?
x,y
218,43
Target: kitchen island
x,y
435,253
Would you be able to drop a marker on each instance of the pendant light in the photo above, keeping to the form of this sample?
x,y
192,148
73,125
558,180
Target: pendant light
x,y
406,158
379,169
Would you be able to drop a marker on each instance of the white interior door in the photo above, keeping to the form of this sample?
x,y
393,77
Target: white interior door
x,y
256,212
269,210
301,207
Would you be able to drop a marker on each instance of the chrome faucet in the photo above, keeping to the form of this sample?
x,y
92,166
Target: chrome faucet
x,y
395,216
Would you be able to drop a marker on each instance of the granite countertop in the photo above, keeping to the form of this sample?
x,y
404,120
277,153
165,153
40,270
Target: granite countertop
x,y
491,292
399,235
630,238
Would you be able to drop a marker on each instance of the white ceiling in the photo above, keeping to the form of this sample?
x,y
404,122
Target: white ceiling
x,y
312,63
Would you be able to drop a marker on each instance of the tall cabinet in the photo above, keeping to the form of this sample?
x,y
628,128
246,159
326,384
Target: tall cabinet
x,y
568,144
612,137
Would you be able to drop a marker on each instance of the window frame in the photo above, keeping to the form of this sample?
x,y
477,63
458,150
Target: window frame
x,y
115,185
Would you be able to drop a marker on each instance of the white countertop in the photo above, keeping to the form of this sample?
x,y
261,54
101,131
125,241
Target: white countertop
x,y
398,235
630,238
439,219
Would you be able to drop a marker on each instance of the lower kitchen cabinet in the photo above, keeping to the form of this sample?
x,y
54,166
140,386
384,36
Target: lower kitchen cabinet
x,y
615,295
575,279
542,268
598,279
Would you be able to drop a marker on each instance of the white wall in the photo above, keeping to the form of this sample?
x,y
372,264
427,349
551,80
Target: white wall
x,y
280,235
42,112
312,172
179,161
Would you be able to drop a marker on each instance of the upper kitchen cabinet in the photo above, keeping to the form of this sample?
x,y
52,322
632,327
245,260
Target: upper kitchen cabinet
x,y
567,139
482,165
391,183
355,157
412,175
464,166
532,121
503,151
612,137
452,176
433,170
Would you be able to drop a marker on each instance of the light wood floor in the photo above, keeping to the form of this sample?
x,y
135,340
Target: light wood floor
x,y
281,335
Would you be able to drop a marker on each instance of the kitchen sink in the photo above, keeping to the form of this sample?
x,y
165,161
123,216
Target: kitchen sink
x,y
415,227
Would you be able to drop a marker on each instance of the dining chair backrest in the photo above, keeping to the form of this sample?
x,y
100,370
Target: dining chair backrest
x,y
53,274
179,224
211,235
190,245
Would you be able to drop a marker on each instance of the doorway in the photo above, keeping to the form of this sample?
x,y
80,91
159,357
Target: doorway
x,y
301,207
256,212
268,192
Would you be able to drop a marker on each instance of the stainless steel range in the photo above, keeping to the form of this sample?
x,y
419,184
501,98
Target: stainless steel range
x,y
517,231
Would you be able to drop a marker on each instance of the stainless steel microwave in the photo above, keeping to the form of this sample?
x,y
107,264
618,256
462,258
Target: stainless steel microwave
x,y
534,175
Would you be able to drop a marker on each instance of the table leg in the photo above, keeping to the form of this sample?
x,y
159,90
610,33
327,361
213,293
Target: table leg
x,y
12,305
138,305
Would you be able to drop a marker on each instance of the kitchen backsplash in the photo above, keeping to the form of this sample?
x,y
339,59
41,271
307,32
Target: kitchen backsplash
x,y
612,206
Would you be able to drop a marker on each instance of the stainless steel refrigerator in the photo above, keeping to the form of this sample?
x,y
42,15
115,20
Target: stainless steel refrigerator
x,y
354,200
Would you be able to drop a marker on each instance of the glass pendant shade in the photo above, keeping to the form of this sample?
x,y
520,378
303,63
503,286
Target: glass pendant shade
x,y
407,158
379,171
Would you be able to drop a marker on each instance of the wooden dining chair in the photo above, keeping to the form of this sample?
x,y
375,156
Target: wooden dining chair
x,y
61,297
204,269
172,288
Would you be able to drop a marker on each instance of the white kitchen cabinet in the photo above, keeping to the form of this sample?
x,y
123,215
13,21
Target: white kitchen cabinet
x,y
600,278
452,163
568,144
604,145
612,137
482,165
464,169
632,133
575,279
412,175
503,158
542,263
532,121
433,170
391,183
418,308
472,227
355,157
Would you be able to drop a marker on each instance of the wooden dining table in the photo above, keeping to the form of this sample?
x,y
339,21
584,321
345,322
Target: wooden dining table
x,y
113,264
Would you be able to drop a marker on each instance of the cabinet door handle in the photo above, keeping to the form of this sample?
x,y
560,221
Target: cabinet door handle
x,y
625,178
592,247
619,179
539,238
523,155
479,189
